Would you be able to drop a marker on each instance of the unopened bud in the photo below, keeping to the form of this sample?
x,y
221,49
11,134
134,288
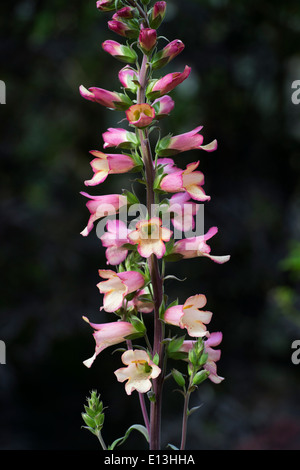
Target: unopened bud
x,y
147,39
169,52
178,377
157,14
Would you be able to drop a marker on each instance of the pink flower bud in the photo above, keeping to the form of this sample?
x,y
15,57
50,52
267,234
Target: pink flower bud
x,y
140,115
110,99
157,14
117,137
167,83
169,52
105,5
122,29
126,12
126,76
147,39
119,51
163,106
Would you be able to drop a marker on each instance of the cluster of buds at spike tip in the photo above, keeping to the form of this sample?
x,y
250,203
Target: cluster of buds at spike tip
x,y
93,415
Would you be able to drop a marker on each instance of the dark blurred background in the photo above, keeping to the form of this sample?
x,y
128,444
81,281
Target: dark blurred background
x,y
244,58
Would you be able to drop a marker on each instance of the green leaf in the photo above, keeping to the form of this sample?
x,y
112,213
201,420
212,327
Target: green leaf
x,y
172,447
195,408
136,427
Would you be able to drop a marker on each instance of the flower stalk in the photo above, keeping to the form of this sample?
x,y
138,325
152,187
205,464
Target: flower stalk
x,y
135,285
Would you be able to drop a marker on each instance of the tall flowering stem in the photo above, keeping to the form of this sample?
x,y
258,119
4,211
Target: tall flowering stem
x,y
135,285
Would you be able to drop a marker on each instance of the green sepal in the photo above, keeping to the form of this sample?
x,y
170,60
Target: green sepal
x,y
178,377
200,377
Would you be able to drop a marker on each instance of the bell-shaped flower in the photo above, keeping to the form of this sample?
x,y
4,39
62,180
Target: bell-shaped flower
x,y
102,206
183,211
171,145
187,180
108,164
147,39
139,371
113,240
197,246
117,286
190,316
110,99
168,53
120,51
127,77
214,339
140,115
157,14
164,85
163,106
142,301
150,237
116,137
108,334
213,356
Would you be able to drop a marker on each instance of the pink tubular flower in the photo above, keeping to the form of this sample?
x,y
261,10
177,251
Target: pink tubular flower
x,y
140,115
169,52
147,39
127,75
167,83
186,180
163,106
102,206
113,240
108,334
117,286
120,51
116,137
184,211
197,246
107,164
140,369
150,237
110,99
184,142
213,356
141,301
190,316
214,339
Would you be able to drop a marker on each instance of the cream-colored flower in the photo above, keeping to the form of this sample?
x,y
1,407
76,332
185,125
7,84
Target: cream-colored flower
x,y
139,371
